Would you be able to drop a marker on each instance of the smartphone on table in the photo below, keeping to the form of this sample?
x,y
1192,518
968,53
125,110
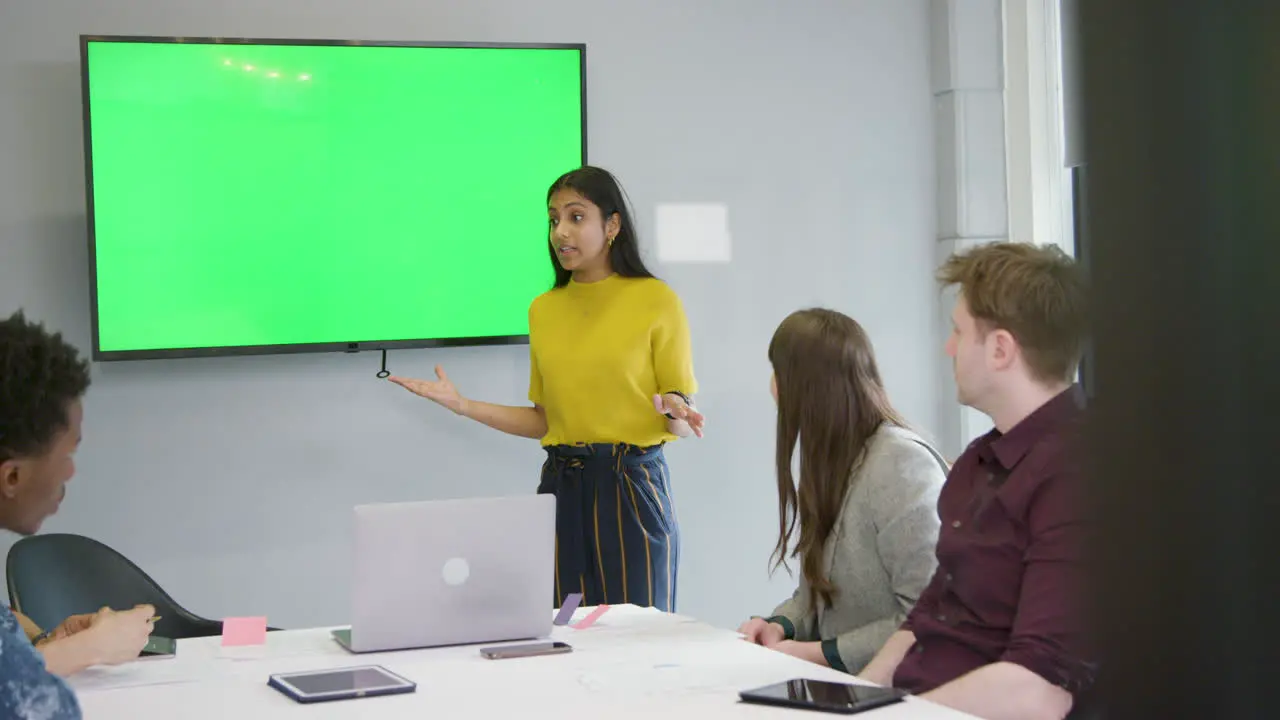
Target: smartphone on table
x,y
504,652
159,647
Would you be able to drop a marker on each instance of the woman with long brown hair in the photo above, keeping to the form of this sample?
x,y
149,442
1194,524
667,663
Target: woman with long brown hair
x,y
865,503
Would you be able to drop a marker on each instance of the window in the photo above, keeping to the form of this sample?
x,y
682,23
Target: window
x,y
1041,197
1047,175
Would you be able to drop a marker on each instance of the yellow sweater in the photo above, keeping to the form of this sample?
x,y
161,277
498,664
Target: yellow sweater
x,y
599,352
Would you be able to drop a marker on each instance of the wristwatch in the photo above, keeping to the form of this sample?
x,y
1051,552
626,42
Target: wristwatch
x,y
680,395
35,641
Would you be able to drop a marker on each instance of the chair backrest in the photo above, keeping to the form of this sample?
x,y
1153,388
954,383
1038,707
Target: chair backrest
x,y
52,577
942,462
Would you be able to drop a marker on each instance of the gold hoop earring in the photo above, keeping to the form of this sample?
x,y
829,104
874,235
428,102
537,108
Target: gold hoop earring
x,y
611,242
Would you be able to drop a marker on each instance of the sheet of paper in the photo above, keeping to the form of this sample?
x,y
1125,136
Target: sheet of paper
x,y
685,672
628,624
238,632
723,667
140,673
317,643
693,233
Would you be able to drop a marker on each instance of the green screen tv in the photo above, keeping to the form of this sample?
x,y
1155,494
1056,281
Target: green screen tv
x,y
277,196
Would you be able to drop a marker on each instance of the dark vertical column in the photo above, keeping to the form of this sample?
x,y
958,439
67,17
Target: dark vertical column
x,y
1073,149
1084,256
1182,136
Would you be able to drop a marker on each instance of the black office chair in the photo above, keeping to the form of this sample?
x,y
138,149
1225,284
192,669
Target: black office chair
x,y
52,577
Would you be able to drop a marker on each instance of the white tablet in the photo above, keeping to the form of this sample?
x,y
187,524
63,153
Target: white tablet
x,y
340,684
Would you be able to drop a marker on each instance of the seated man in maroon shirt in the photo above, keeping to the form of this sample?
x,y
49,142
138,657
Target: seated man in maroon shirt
x,y
999,631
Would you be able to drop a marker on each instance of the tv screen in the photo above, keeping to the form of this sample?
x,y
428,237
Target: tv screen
x,y
284,196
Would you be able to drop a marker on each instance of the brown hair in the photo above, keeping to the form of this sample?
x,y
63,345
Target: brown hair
x,y
831,401
1036,293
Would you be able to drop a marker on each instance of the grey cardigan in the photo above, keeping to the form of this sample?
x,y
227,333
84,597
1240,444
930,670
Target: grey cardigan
x,y
880,555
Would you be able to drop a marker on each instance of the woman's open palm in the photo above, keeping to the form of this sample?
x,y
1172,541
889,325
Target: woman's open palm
x,y
440,390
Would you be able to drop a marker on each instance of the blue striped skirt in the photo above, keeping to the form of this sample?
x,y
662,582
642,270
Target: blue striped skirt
x,y
617,539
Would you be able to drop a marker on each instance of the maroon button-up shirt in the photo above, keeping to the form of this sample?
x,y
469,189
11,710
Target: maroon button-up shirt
x,y
1010,579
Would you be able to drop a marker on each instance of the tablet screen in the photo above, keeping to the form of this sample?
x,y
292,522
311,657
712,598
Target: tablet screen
x,y
353,680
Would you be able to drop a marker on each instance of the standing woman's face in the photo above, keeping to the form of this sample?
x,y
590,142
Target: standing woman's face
x,y
578,233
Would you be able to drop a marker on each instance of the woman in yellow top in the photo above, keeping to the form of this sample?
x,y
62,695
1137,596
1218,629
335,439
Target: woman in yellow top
x,y
611,382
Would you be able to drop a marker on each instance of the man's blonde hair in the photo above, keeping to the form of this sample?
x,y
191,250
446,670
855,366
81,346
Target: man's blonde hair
x,y
1035,293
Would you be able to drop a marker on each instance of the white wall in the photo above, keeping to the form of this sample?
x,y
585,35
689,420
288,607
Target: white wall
x,y
997,87
231,480
973,187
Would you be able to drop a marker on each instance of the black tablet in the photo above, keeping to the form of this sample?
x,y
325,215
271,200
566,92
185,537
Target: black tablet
x,y
340,684
832,697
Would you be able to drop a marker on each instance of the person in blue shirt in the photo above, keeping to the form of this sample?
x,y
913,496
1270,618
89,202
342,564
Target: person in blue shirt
x,y
42,381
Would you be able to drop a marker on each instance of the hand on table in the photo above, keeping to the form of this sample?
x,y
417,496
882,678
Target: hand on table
x,y
807,651
762,632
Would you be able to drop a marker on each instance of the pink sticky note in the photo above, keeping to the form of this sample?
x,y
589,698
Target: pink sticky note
x,y
591,619
244,631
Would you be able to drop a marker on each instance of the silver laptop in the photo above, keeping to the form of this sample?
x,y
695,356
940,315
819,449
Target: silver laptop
x,y
451,572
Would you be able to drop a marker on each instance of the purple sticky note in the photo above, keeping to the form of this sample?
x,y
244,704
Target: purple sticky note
x,y
591,619
571,602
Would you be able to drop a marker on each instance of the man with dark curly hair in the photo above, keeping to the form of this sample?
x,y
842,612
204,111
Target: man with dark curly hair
x,y
42,379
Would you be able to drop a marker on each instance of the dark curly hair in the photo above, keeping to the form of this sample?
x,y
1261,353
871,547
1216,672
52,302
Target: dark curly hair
x,y
40,376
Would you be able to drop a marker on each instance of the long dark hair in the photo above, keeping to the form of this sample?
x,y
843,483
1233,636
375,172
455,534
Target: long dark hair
x,y
602,189
831,401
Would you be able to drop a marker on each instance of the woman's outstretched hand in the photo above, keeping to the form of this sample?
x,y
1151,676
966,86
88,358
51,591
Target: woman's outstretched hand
x,y
675,406
440,391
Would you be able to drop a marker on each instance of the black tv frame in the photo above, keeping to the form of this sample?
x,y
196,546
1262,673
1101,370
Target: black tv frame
x,y
240,350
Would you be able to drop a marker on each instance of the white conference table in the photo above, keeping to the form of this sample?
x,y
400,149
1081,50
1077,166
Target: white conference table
x,y
633,663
